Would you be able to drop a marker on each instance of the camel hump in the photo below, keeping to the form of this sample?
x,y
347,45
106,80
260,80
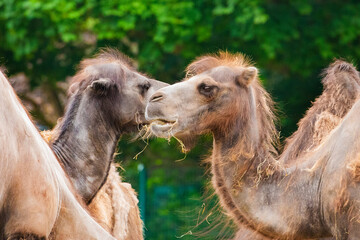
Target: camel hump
x,y
340,73
341,83
342,66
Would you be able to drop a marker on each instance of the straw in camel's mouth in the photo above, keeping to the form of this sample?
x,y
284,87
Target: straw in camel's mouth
x,y
162,122
162,127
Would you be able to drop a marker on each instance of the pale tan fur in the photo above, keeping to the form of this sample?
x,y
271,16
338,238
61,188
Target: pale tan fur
x,y
115,206
35,194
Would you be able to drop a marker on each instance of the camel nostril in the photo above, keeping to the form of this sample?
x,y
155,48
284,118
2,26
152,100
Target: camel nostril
x,y
156,97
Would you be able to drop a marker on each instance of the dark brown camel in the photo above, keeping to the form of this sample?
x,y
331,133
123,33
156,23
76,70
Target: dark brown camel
x,y
317,198
107,98
341,88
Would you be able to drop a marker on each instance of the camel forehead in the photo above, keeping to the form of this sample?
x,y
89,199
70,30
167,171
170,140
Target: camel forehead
x,y
223,73
114,71
221,69
219,74
103,67
196,78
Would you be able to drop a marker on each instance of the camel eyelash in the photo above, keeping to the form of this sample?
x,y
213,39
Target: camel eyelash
x,y
207,90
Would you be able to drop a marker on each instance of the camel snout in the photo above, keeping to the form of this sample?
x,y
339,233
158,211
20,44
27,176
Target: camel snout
x,y
156,97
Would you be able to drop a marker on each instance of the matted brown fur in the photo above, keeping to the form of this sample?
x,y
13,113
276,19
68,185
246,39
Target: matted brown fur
x,y
341,88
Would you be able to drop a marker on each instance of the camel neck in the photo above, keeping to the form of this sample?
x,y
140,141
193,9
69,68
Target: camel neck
x,y
86,148
258,192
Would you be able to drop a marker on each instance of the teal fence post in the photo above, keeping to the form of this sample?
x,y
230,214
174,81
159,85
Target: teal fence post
x,y
142,191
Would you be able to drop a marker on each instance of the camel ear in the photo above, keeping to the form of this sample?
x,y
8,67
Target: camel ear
x,y
247,76
73,88
102,86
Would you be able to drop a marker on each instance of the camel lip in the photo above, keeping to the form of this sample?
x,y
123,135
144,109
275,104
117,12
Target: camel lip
x,y
162,128
161,121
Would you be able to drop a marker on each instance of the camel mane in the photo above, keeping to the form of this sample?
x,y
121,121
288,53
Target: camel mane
x,y
222,58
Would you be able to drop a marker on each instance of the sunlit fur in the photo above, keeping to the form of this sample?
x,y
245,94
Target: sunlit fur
x,y
115,207
35,195
317,197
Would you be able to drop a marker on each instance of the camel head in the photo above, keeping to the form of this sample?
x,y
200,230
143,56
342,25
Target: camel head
x,y
107,98
215,95
109,88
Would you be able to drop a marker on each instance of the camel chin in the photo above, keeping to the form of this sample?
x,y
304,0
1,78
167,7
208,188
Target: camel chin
x,y
163,129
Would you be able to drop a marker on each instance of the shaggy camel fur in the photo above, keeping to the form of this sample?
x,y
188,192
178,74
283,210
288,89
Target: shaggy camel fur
x,y
317,197
341,88
35,194
115,207
107,98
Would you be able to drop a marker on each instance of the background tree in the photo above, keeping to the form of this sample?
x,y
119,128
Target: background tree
x,y
41,42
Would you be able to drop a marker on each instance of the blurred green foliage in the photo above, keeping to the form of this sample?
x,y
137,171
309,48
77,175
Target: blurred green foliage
x,y
179,202
291,42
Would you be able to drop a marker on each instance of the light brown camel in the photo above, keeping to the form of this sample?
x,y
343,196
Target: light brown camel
x,y
317,198
35,194
107,98
341,88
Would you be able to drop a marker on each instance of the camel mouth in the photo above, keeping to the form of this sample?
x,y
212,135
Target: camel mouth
x,y
162,127
162,122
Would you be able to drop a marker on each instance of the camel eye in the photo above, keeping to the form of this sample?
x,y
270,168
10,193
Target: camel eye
x,y
207,90
144,87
